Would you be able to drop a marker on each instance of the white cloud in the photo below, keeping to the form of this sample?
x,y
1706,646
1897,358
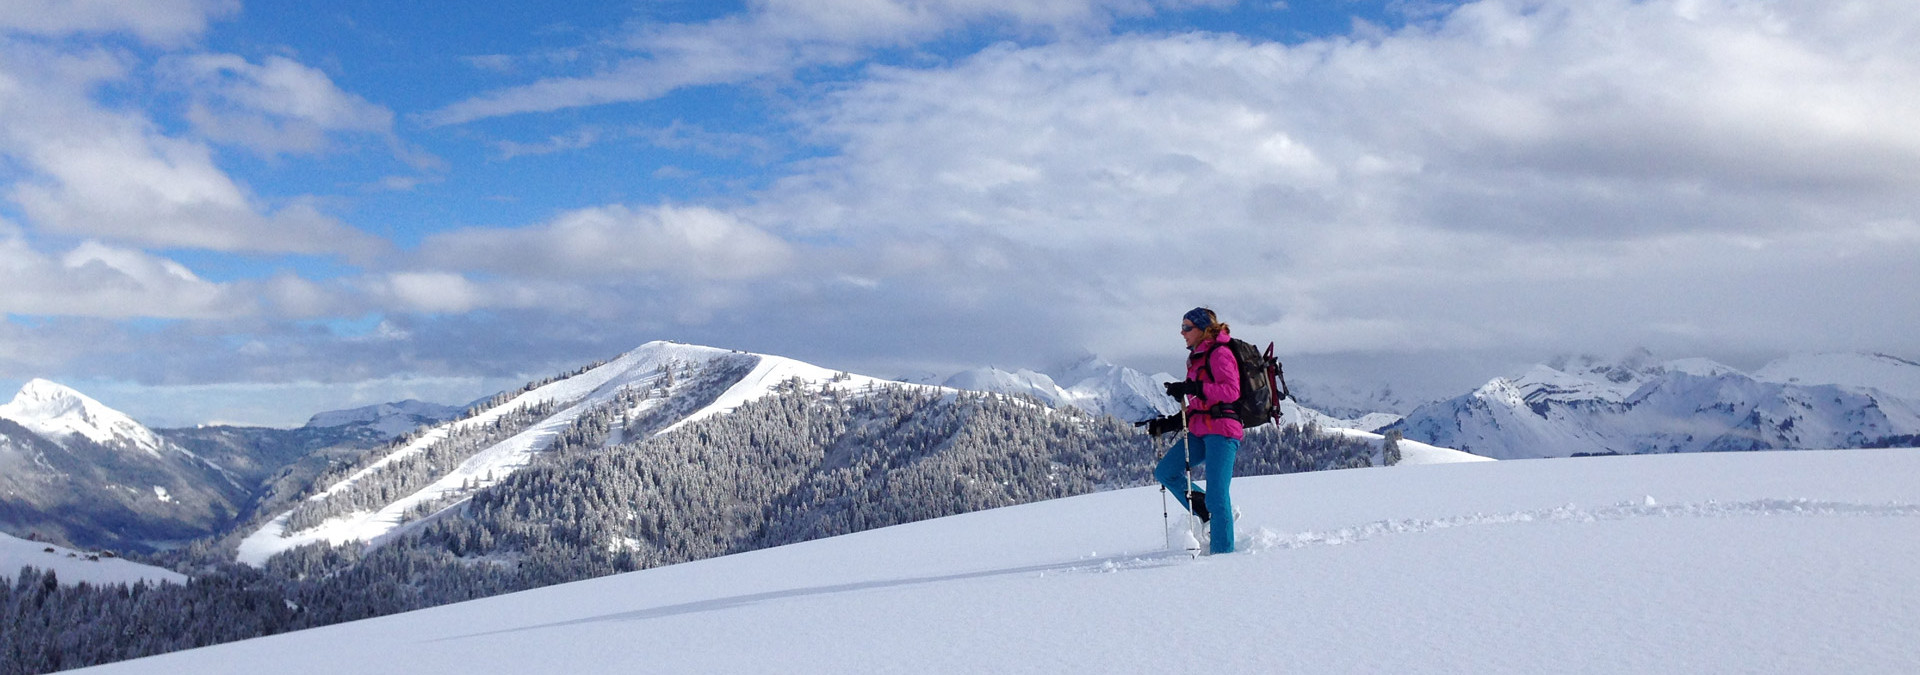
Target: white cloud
x,y
95,171
1524,175
277,106
96,280
617,242
775,37
435,292
165,22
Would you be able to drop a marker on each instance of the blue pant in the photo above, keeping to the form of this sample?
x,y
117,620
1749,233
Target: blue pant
x,y
1217,452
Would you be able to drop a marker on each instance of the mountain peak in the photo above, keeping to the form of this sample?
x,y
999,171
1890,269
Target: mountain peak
x,y
60,412
39,391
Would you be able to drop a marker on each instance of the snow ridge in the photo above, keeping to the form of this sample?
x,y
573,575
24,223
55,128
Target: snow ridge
x,y
650,365
58,412
390,419
1689,405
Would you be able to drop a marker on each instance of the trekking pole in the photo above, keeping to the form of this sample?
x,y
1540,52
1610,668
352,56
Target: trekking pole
x,y
1166,521
1186,468
1166,518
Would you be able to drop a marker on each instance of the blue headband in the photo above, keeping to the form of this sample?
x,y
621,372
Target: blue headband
x,y
1198,317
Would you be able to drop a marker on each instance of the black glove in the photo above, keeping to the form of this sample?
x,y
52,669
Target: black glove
x,y
1183,388
1160,425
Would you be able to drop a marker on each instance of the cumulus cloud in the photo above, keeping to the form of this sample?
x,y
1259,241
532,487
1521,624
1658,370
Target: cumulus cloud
x,y
97,280
95,171
434,292
1511,174
617,242
775,37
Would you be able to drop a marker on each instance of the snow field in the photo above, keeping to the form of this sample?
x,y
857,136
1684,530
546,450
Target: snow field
x,y
16,553
1751,562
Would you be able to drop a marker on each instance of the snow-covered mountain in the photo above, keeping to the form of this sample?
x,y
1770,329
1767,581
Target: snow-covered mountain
x,y
1102,388
1094,386
1895,376
1354,401
59,413
1689,405
389,419
78,471
1753,562
655,388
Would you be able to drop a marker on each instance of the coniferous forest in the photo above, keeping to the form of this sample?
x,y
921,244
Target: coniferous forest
x,y
608,497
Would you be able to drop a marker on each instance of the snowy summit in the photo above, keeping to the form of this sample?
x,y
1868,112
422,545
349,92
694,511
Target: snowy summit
x,y
58,412
659,387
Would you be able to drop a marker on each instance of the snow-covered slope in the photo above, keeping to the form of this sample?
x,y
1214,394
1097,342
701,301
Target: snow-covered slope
x,y
1411,452
1679,406
1352,400
1748,562
75,470
1895,376
75,566
1096,386
389,419
658,387
60,413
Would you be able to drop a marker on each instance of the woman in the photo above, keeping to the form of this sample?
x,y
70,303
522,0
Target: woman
x,y
1213,433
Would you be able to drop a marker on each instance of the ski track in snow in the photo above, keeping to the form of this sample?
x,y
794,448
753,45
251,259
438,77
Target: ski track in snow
x,y
1267,540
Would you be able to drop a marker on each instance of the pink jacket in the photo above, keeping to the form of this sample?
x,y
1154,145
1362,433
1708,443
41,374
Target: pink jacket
x,y
1213,366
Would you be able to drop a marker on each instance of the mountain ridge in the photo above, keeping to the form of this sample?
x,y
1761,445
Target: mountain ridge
x,y
1684,405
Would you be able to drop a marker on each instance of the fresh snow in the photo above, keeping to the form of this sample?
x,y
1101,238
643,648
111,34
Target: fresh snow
x,y
1694,563
58,412
1685,405
1291,412
72,566
573,396
1098,387
772,371
1411,451
390,419
1895,376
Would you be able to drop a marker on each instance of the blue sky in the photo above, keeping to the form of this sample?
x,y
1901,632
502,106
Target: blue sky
x,y
218,210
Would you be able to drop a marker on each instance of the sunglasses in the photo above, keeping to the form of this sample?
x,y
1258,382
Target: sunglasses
x,y
1187,328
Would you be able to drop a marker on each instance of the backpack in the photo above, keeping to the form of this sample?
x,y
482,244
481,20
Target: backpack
x,y
1263,385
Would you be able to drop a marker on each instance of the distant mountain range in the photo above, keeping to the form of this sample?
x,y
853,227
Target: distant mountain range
x,y
1101,388
1635,405
75,471
389,419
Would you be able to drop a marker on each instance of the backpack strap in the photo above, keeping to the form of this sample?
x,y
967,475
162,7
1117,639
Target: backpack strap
x,y
1224,409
